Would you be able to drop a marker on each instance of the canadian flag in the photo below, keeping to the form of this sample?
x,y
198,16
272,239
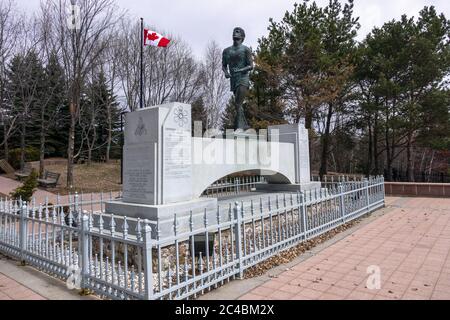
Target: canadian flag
x,y
152,38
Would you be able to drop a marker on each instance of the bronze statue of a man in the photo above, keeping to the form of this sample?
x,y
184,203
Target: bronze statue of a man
x,y
237,62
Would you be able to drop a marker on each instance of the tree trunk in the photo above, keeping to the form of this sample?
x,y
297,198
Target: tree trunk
x,y
71,145
370,153
410,164
430,169
325,144
422,161
308,118
308,126
375,145
388,151
22,145
91,145
42,146
108,146
42,155
89,159
5,142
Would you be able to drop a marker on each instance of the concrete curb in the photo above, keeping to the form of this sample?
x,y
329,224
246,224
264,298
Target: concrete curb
x,y
39,282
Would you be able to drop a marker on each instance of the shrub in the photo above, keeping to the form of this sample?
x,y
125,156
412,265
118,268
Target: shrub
x,y
29,186
31,154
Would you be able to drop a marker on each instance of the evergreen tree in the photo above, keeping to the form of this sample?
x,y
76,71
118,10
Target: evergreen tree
x,y
306,64
26,89
199,113
57,116
100,118
402,66
228,116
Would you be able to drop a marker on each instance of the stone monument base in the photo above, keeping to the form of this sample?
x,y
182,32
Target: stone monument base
x,y
165,214
303,187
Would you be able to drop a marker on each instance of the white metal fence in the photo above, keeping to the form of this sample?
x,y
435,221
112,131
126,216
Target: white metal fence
x,y
233,185
121,258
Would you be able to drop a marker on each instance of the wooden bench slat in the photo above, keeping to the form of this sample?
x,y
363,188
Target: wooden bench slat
x,y
25,173
50,179
6,166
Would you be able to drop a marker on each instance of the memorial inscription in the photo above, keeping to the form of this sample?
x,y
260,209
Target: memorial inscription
x,y
138,174
177,155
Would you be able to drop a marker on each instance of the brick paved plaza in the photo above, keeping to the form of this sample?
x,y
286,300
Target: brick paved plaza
x,y
12,290
410,244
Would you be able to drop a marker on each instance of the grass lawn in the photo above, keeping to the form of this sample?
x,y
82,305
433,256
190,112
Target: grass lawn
x,y
96,177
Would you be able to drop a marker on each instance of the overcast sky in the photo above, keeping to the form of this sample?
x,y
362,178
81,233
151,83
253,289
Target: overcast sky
x,y
198,21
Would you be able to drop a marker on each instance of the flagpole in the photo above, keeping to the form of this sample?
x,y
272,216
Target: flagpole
x,y
141,103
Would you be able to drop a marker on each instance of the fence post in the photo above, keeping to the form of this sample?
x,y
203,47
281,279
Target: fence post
x,y
303,215
84,239
341,201
384,191
148,262
238,185
366,189
23,232
238,237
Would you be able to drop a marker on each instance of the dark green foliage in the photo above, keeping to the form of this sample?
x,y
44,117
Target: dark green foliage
x,y
229,115
371,104
25,192
199,113
100,116
436,118
56,114
31,154
37,96
404,103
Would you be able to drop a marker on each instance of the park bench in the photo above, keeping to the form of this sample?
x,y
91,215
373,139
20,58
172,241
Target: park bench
x,y
25,173
50,179
6,167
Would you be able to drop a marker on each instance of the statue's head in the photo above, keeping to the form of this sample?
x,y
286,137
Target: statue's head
x,y
238,34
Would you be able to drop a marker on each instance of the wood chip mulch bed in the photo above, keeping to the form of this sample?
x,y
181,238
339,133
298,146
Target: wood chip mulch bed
x,y
290,254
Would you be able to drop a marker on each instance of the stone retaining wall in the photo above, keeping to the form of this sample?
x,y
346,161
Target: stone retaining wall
x,y
417,189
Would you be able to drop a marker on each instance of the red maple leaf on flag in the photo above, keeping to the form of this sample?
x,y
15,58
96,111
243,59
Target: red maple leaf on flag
x,y
153,36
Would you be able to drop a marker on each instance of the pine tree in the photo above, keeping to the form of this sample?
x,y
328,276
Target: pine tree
x,y
26,89
57,114
199,113
100,115
228,116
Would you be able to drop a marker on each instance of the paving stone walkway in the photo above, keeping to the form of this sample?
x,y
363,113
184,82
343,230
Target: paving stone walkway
x,y
12,290
41,196
26,283
409,245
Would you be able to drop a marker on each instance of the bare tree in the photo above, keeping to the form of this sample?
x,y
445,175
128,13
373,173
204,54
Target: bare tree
x,y
110,68
170,74
81,41
25,78
215,87
9,25
48,114
126,52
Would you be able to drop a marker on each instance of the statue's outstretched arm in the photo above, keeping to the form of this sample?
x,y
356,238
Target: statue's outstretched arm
x,y
225,66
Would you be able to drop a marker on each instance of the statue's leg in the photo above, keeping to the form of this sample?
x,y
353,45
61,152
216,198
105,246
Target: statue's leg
x,y
240,122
